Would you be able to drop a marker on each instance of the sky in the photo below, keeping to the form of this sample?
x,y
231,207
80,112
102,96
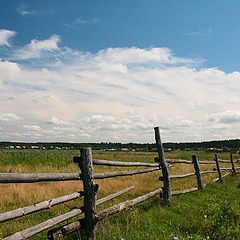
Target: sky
x,y
110,71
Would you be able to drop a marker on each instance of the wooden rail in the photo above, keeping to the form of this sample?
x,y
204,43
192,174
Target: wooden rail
x,y
20,212
123,164
178,192
37,177
47,177
44,225
62,231
123,173
127,204
56,220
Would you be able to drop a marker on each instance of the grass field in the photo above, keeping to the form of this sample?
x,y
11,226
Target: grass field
x,y
194,214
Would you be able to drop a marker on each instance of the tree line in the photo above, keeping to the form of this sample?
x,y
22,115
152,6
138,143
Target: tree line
x,y
224,145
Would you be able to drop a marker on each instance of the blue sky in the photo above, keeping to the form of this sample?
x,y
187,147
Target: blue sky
x,y
206,29
127,66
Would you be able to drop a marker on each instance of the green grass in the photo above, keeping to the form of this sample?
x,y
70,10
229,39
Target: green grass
x,y
209,213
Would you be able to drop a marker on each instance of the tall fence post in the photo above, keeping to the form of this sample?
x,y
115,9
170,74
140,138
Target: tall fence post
x,y
164,166
197,172
90,189
218,167
233,167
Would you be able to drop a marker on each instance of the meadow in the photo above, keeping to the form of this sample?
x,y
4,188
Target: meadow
x,y
195,215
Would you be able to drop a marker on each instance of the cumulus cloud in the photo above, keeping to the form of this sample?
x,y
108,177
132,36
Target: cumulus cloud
x,y
136,55
56,121
36,48
9,117
5,36
116,94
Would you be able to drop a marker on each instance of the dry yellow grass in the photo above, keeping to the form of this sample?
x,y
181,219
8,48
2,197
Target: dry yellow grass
x,y
19,195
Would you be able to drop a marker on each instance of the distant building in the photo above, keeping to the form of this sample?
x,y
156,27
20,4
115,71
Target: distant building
x,y
34,147
214,150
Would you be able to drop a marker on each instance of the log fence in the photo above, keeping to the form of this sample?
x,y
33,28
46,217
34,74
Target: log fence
x,y
87,223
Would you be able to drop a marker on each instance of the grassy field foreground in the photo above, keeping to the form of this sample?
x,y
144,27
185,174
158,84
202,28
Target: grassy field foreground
x,y
212,213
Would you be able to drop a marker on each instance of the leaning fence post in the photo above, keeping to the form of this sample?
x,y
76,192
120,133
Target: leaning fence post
x,y
218,167
233,167
164,166
90,189
197,172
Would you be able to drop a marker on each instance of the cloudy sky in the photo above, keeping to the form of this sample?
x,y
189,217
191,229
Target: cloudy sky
x,y
92,71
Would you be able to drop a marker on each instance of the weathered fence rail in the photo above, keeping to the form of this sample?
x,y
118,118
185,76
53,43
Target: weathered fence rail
x,y
123,164
37,177
88,212
20,212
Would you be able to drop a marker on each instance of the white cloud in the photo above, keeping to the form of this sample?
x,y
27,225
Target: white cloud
x,y
80,21
9,117
140,56
117,94
32,127
36,48
225,117
234,100
24,12
56,121
5,36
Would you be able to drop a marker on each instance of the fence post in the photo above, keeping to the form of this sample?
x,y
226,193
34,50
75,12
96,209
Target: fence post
x,y
197,172
233,167
164,165
90,189
218,167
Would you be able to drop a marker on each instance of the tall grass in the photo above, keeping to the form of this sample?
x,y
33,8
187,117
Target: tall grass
x,y
18,195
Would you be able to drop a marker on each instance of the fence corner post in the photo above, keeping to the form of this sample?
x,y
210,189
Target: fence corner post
x,y
197,172
86,166
164,166
233,167
218,168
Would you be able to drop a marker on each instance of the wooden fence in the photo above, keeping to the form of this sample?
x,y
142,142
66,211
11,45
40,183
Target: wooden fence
x,y
90,188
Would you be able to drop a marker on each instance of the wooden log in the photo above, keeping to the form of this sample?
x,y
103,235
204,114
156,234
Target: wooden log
x,y
187,161
178,176
37,177
43,226
225,168
178,192
114,195
187,175
38,207
65,230
233,167
123,173
90,189
197,172
218,167
164,167
225,175
228,161
123,164
208,171
127,204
